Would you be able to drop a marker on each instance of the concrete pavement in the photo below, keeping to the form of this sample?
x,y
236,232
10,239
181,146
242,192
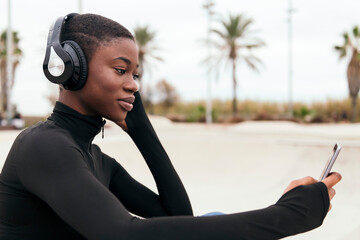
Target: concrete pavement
x,y
234,168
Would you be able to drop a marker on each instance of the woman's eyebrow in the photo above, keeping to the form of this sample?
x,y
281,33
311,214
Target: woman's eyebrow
x,y
127,61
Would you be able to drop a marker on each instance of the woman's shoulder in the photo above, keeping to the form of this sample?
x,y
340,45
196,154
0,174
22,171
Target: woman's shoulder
x,y
44,143
44,133
40,146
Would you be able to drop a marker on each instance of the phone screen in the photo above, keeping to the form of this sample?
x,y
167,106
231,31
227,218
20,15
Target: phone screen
x,y
330,162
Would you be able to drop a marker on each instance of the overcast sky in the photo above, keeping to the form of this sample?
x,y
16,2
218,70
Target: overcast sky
x,y
181,25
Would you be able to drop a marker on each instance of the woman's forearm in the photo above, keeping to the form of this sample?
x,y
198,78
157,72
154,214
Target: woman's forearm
x,y
171,190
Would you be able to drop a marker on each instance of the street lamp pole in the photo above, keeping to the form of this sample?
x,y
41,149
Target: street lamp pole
x,y
208,5
80,6
290,60
9,65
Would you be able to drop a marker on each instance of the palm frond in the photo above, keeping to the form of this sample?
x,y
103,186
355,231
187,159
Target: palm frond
x,y
250,63
253,62
143,35
219,33
234,32
356,34
145,41
341,50
160,59
246,24
356,31
250,46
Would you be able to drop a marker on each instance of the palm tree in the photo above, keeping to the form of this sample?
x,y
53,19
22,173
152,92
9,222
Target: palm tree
x,y
352,44
145,39
236,45
3,66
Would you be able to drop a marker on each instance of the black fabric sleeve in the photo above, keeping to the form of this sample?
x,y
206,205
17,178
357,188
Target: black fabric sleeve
x,y
299,210
60,177
172,193
137,198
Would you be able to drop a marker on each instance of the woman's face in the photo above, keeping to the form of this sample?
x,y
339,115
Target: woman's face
x,y
110,86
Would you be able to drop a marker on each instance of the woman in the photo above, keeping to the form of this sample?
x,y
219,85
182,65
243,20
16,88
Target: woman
x,y
56,184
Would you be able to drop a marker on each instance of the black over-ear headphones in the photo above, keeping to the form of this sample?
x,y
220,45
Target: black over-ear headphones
x,y
64,63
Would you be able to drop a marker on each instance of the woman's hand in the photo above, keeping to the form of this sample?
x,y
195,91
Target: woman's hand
x,y
135,118
330,182
302,181
123,125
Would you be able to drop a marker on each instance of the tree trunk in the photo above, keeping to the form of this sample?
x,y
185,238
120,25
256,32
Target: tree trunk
x,y
4,81
353,108
234,103
4,91
3,95
353,76
141,71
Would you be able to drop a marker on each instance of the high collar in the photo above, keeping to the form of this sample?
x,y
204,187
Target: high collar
x,y
83,128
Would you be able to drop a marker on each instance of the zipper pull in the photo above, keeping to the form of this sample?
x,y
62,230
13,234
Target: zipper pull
x,y
102,128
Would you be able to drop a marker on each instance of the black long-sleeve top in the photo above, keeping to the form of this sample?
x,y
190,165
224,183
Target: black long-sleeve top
x,y
56,184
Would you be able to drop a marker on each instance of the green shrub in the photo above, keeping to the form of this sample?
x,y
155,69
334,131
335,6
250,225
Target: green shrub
x,y
328,111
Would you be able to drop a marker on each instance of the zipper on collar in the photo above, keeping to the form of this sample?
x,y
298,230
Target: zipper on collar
x,y
102,128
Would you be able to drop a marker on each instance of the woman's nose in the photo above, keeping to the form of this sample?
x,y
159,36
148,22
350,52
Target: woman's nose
x,y
132,85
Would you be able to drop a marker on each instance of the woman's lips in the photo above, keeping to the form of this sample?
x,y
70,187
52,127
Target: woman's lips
x,y
126,103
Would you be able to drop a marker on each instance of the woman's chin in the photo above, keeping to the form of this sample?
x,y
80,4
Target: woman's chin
x,y
118,119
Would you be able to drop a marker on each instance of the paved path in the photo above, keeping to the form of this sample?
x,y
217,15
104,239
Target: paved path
x,y
246,166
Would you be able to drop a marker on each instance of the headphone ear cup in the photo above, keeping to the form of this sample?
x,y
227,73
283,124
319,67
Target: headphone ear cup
x,y
80,71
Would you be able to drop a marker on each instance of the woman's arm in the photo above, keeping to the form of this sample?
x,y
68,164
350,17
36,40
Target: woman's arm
x,y
59,177
172,193
137,198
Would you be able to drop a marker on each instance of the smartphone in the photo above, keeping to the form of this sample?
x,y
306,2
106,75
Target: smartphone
x,y
330,162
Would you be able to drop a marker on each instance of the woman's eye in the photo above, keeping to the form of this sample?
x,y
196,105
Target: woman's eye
x,y
121,71
136,77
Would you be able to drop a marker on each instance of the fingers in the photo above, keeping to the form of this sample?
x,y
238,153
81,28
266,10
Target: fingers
x,y
332,180
332,193
302,181
306,180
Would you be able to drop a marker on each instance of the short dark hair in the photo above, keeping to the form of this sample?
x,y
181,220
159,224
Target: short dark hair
x,y
92,30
